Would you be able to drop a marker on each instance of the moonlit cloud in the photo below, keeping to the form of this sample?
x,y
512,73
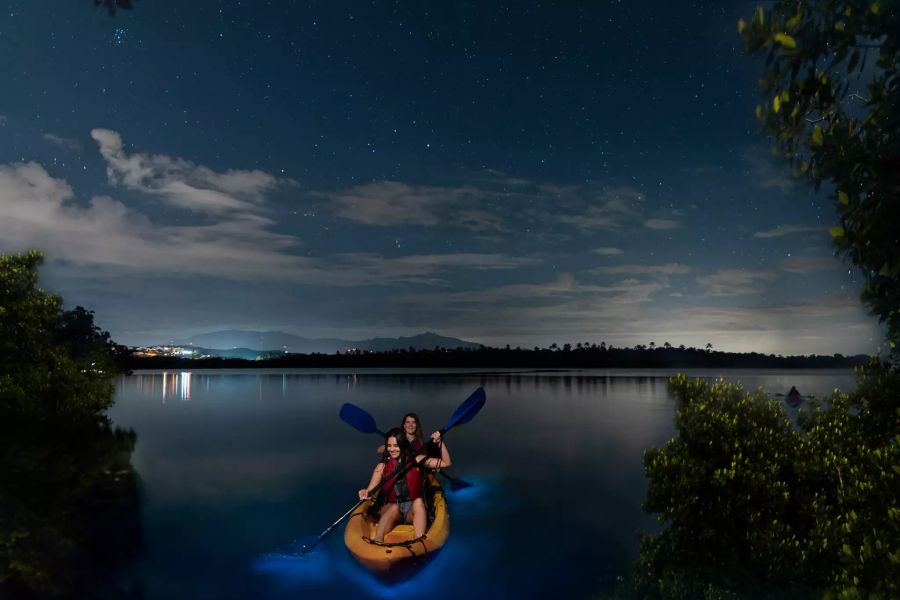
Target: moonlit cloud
x,y
811,264
784,230
661,224
559,310
37,210
608,251
609,210
766,174
666,269
736,282
182,183
64,143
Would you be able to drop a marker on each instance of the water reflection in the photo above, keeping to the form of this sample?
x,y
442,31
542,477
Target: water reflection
x,y
69,512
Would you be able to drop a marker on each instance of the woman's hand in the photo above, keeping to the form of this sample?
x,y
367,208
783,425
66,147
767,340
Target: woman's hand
x,y
436,437
364,494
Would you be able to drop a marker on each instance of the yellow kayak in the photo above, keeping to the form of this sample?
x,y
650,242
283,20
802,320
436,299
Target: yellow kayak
x,y
400,552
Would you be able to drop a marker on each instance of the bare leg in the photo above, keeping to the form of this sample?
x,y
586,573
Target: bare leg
x,y
389,515
419,517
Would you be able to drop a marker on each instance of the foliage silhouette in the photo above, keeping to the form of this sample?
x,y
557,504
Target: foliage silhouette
x,y
830,89
56,363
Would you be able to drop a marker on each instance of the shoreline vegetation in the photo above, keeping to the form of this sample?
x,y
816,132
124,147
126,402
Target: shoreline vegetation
x,y
579,357
70,516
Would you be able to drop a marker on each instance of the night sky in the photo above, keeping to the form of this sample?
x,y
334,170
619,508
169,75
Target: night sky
x,y
507,173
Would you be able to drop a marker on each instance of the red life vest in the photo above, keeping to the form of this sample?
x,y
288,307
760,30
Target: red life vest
x,y
414,481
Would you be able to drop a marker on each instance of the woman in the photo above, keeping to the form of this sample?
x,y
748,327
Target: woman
x,y
404,494
412,428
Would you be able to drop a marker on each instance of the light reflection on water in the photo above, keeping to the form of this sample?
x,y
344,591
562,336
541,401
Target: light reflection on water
x,y
256,459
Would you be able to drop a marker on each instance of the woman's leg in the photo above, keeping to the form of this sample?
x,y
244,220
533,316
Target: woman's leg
x,y
389,514
419,517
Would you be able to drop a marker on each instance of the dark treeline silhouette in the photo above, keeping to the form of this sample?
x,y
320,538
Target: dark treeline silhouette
x,y
580,357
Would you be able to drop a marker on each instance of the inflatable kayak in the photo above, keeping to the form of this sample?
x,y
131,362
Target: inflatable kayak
x,y
401,551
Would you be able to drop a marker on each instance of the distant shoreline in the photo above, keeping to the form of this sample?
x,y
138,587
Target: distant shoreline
x,y
492,358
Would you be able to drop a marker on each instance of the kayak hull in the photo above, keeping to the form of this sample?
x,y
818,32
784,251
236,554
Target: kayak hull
x,y
401,554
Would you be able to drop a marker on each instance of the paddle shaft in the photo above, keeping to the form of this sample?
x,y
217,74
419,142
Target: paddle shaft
x,y
403,470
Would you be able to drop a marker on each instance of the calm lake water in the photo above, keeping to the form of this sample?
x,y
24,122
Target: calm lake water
x,y
234,465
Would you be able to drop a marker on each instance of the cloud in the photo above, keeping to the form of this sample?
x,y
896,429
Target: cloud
x,y
736,282
387,203
783,230
113,240
64,143
394,203
3,120
561,309
37,210
766,173
811,264
607,251
666,269
661,224
374,269
609,210
182,183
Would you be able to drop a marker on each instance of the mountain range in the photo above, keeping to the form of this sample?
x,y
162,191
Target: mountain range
x,y
287,342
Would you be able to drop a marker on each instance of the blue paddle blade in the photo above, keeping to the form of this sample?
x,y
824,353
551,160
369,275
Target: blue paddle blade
x,y
358,418
466,411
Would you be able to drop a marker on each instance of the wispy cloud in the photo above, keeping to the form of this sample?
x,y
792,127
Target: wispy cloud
x,y
783,230
736,282
607,251
386,203
562,309
811,264
661,224
62,142
765,173
37,210
608,210
666,269
182,183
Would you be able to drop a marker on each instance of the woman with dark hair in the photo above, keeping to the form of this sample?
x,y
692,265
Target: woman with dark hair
x,y
412,430
403,491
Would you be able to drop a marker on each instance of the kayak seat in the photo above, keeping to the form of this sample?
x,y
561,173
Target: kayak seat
x,y
400,533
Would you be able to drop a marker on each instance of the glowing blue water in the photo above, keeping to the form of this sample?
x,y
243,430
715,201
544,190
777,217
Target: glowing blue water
x,y
236,465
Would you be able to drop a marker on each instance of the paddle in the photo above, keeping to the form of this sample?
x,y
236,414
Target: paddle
x,y
464,413
362,421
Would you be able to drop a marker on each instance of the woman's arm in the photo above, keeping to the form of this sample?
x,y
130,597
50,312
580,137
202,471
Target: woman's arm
x,y
376,479
436,463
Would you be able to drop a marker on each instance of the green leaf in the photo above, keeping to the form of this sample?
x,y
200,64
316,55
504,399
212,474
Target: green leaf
x,y
836,231
785,40
817,137
874,8
843,198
